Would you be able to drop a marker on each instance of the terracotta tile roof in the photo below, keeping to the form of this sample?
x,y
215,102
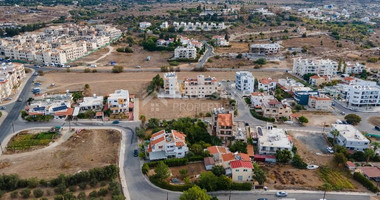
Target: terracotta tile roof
x,y
179,135
266,81
257,94
225,119
250,151
244,157
240,163
158,140
179,144
36,113
149,148
208,161
371,172
69,111
216,149
349,78
99,114
228,157
158,133
350,164
273,101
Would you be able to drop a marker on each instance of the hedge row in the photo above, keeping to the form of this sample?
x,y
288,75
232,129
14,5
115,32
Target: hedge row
x,y
168,186
170,162
195,158
260,117
365,182
241,186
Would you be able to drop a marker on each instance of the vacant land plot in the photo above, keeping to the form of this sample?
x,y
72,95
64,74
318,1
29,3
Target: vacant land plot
x,y
83,151
335,178
319,118
175,108
135,82
24,15
236,47
193,169
235,63
374,120
27,140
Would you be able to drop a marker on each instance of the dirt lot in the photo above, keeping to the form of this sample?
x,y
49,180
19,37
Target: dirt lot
x,y
175,108
24,15
236,47
83,151
193,169
135,82
374,120
319,118
128,60
227,62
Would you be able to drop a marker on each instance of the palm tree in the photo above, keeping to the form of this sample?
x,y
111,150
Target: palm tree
x,y
335,133
143,119
369,153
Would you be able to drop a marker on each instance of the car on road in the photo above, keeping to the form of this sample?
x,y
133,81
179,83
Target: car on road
x,y
135,153
342,113
377,128
3,107
281,194
262,199
330,149
115,122
19,99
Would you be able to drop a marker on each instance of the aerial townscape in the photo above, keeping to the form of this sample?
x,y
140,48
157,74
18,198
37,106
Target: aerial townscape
x,y
190,99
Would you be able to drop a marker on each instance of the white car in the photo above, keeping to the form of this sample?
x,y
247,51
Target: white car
x,y
312,167
281,194
330,149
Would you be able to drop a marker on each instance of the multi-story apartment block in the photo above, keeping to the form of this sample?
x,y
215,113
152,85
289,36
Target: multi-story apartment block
x,y
258,98
363,96
190,26
265,49
352,68
92,103
144,25
245,82
275,109
185,41
170,83
267,84
164,25
164,145
320,67
319,102
271,139
222,124
10,76
350,138
118,102
189,52
200,87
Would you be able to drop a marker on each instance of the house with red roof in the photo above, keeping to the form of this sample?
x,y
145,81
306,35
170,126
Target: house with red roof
x,y
267,84
371,173
164,145
242,171
223,124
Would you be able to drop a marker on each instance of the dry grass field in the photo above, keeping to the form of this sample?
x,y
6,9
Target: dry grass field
x,y
21,15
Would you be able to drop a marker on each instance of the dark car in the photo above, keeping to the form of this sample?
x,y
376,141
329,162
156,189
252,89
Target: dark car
x,y
136,153
262,199
377,128
115,122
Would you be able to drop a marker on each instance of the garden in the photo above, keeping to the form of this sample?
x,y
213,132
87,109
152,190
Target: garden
x,y
26,140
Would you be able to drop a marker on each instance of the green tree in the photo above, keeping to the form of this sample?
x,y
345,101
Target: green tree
x,y
259,174
261,61
340,159
283,156
353,119
162,171
335,133
376,146
340,64
239,146
143,120
38,193
25,193
297,162
195,193
303,120
218,170
369,153
208,181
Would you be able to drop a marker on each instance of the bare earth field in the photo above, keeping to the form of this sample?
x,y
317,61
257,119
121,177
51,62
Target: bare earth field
x,y
374,120
135,82
227,62
83,151
24,15
193,169
318,118
128,60
236,47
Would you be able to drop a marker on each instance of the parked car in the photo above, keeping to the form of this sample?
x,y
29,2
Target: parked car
x,y
281,194
330,149
3,108
115,122
136,153
377,128
312,167
262,199
342,113
19,99
338,121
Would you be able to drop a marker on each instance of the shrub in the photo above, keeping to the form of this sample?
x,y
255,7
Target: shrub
x,y
93,194
353,119
38,193
145,168
260,117
165,185
128,50
102,192
241,186
14,194
32,182
25,193
365,182
81,196
94,71
43,182
58,197
60,189
82,186
87,70
117,69
297,162
170,162
73,188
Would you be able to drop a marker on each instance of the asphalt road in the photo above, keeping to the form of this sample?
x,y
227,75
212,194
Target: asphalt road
x,y
206,56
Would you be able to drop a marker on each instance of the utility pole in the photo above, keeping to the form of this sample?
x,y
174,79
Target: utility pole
x,y
13,127
229,198
324,195
167,195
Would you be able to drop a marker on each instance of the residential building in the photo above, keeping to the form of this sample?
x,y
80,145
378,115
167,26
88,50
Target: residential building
x,y
350,137
271,139
222,124
265,49
319,102
244,82
351,166
220,40
275,109
189,52
372,173
361,94
118,102
201,87
352,68
144,25
164,25
227,158
267,84
92,103
288,84
56,105
197,26
217,152
11,74
209,163
258,98
318,80
313,66
242,171
164,145
264,11
302,97
170,83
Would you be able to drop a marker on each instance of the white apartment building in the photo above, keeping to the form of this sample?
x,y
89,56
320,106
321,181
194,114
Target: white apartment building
x,y
170,83
289,84
200,87
144,25
362,96
265,49
271,139
258,99
350,138
245,82
220,40
197,26
189,52
164,25
319,102
320,67
267,84
10,76
92,103
352,68
118,102
164,145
